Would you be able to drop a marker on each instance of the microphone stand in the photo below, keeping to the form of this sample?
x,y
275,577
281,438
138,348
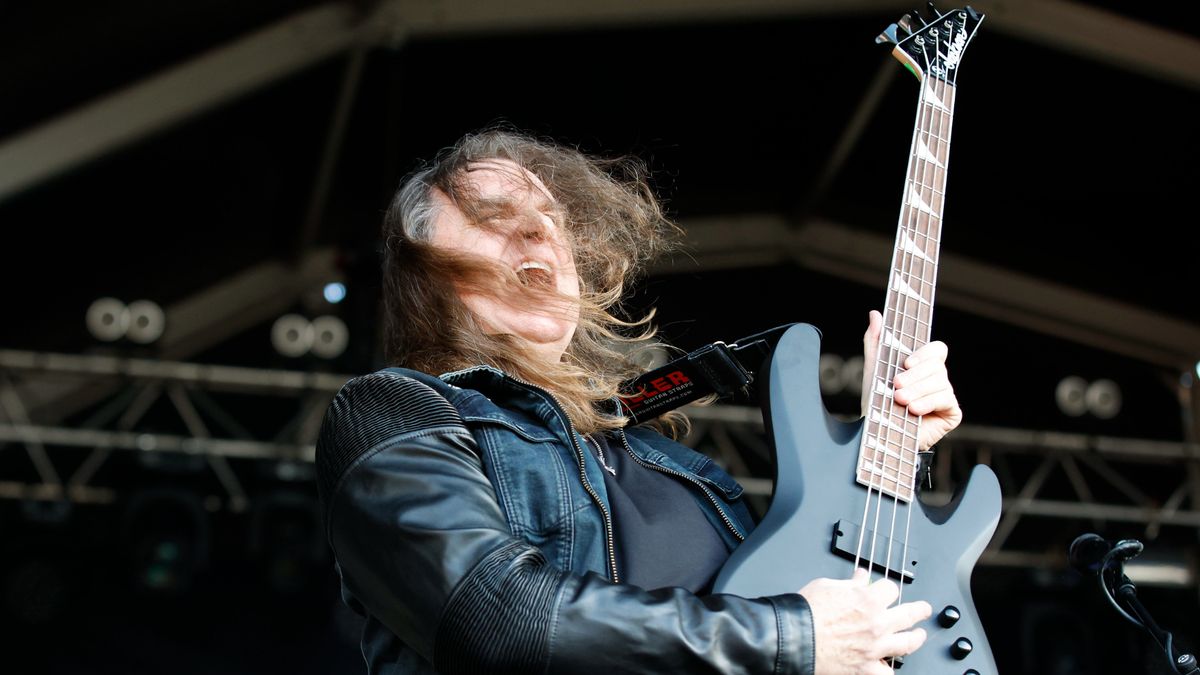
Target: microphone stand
x,y
1112,575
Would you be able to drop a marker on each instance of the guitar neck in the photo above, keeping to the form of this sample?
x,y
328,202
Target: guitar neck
x,y
888,458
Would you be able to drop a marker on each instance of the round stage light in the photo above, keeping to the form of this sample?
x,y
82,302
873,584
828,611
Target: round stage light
x,y
335,292
852,374
1104,399
146,322
829,373
292,335
1071,396
330,337
107,319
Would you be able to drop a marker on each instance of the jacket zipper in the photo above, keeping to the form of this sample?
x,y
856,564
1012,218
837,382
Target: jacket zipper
x,y
707,493
579,457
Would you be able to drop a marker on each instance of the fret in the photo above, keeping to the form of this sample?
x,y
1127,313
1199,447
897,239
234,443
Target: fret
x,y
921,193
908,316
916,294
905,420
898,464
925,133
916,182
886,472
910,336
905,439
902,417
927,254
903,431
913,281
926,235
928,210
901,341
873,439
933,188
904,435
909,276
895,471
879,446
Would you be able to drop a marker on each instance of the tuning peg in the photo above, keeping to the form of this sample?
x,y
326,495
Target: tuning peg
x,y
888,35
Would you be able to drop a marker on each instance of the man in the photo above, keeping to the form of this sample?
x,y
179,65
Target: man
x,y
500,517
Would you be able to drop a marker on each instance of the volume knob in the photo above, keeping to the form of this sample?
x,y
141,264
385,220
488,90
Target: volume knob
x,y
949,616
961,648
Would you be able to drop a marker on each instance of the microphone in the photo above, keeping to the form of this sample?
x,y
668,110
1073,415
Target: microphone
x,y
1126,549
1087,553
1090,553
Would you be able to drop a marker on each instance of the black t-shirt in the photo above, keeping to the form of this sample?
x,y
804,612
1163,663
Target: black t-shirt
x,y
661,535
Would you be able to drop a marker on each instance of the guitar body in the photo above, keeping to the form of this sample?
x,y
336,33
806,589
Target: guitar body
x,y
816,490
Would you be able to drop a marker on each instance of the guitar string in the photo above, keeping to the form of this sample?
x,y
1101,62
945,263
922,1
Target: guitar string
x,y
947,131
939,147
936,151
910,228
936,146
875,470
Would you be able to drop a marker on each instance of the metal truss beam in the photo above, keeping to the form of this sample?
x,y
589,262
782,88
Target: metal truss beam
x,y
194,324
176,94
750,240
1090,465
181,92
209,430
1068,26
734,436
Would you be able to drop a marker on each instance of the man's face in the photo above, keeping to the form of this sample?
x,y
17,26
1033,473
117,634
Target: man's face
x,y
522,232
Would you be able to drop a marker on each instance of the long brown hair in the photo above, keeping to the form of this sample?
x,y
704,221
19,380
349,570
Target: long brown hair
x,y
611,220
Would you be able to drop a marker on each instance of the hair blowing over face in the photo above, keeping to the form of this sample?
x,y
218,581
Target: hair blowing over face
x,y
610,219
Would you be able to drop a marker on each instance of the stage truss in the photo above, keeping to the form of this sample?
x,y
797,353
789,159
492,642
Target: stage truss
x,y
1054,483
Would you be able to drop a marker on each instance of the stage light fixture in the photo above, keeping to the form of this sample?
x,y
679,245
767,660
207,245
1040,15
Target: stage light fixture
x,y
335,292
107,319
1071,396
146,322
829,372
292,335
1103,399
330,337
852,374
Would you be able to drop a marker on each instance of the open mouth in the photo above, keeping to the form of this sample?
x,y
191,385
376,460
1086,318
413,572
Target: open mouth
x,y
535,273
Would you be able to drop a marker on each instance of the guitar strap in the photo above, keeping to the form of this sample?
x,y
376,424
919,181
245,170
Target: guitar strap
x,y
717,368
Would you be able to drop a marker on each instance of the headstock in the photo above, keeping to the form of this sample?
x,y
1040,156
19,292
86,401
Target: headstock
x,y
932,47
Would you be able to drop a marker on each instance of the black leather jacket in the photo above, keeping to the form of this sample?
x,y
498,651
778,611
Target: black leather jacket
x,y
426,554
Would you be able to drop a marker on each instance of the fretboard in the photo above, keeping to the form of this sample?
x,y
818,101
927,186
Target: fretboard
x,y
888,458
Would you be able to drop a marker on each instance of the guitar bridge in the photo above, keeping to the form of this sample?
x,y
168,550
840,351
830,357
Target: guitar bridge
x,y
900,565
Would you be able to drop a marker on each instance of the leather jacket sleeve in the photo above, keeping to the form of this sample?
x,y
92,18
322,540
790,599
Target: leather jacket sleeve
x,y
423,545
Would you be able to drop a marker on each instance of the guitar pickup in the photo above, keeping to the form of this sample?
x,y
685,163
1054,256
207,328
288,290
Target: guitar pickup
x,y
901,565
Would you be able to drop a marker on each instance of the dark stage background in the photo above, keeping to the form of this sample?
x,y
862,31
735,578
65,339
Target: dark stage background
x,y
228,161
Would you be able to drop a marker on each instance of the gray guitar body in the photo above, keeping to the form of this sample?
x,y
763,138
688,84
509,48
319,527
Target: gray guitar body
x,y
816,496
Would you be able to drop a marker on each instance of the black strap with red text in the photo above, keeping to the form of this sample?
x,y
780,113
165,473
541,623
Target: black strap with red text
x,y
718,368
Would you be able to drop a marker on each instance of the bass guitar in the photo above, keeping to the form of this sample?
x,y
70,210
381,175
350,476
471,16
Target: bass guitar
x,y
846,495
